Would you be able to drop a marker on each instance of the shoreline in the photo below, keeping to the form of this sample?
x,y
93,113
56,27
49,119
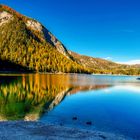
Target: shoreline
x,y
40,131
60,73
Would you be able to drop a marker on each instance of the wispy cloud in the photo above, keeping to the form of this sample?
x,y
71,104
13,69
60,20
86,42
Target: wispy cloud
x,y
124,31
127,31
131,62
108,58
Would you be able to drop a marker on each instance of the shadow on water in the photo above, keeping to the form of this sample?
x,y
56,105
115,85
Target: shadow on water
x,y
28,96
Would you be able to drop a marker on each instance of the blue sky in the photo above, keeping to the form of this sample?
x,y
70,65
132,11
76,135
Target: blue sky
x,y
100,28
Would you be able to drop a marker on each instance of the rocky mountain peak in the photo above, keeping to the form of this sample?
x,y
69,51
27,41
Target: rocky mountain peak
x,y
7,13
47,36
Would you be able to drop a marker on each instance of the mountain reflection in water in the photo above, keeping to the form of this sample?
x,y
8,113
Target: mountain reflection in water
x,y
28,96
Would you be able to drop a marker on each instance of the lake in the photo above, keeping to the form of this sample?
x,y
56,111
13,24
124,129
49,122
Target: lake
x,y
96,102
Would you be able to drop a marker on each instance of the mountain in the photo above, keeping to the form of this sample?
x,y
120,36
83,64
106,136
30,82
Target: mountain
x,y
94,63
8,14
102,66
26,43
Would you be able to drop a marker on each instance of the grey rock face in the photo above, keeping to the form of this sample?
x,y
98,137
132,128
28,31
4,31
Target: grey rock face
x,y
34,25
55,42
48,36
5,17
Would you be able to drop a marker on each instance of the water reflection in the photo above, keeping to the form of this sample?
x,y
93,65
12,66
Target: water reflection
x,y
27,97
114,108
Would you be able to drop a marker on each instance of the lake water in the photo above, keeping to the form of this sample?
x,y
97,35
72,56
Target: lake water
x,y
107,103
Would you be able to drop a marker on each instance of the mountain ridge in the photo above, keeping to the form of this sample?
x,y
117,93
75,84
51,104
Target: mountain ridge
x,y
23,42
26,42
36,26
102,66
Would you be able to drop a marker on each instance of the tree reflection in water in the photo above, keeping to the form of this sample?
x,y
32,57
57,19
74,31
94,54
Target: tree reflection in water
x,y
28,96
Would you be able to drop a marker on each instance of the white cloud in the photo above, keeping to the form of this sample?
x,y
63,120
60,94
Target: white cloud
x,y
131,62
108,58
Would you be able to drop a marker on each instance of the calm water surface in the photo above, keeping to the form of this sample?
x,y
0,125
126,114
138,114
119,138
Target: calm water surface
x,y
110,103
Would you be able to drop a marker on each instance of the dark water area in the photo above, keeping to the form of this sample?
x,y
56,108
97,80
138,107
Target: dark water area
x,y
106,103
